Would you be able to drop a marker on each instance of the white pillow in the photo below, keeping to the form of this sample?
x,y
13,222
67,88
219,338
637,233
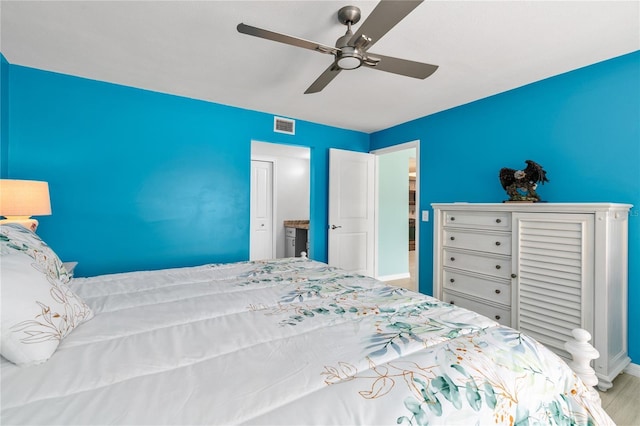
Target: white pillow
x,y
38,309
18,237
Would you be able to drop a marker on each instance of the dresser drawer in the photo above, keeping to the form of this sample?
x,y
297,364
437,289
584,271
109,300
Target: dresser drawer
x,y
477,262
499,292
501,315
290,232
492,243
484,220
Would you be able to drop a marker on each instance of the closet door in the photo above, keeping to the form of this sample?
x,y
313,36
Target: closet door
x,y
554,269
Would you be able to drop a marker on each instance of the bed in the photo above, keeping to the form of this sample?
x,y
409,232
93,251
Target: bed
x,y
280,342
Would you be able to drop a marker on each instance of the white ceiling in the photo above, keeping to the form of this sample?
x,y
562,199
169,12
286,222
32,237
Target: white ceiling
x,y
192,49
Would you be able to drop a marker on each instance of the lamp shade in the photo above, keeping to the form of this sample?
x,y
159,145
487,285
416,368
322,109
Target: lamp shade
x,y
24,198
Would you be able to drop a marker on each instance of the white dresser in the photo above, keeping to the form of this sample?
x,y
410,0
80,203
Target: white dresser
x,y
542,268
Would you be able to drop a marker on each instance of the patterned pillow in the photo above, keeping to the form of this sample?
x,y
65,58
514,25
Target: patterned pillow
x,y
38,309
20,238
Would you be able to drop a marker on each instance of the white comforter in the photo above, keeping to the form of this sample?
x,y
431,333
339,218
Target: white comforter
x,y
287,342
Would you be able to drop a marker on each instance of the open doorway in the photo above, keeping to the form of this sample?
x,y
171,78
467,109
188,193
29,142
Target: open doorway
x,y
290,192
397,207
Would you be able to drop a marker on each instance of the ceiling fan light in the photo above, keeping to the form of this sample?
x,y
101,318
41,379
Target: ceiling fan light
x,y
349,58
349,62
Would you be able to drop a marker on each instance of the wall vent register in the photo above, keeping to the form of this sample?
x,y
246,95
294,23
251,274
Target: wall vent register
x,y
284,125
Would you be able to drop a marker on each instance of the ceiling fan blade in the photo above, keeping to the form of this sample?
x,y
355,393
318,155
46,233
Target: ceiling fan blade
x,y
286,39
384,17
400,66
324,79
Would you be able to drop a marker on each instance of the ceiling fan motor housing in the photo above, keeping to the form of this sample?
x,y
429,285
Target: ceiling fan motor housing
x,y
350,57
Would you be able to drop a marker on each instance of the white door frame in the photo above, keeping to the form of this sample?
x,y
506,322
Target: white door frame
x,y
401,147
279,154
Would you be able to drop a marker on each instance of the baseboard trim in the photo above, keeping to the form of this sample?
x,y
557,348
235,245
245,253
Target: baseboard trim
x,y
633,369
395,277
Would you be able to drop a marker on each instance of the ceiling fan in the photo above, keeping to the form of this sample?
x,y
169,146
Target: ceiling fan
x,y
351,50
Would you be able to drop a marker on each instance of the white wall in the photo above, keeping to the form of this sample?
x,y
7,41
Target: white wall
x,y
291,184
393,213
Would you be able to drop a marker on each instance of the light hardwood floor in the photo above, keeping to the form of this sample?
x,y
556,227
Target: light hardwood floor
x,y
622,401
408,283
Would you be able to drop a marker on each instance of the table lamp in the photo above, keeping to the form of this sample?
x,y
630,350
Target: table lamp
x,y
21,199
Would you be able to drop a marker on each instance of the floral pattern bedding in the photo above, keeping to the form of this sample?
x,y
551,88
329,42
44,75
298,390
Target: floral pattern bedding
x,y
288,341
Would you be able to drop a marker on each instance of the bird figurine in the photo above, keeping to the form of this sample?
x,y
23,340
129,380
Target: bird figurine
x,y
521,184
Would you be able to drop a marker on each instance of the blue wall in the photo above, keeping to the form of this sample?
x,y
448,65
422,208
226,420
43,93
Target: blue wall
x,y
582,126
4,116
143,180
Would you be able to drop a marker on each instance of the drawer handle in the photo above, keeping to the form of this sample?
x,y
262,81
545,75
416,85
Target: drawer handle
x,y
452,280
498,291
497,317
498,220
453,218
452,238
453,259
513,275
498,243
498,266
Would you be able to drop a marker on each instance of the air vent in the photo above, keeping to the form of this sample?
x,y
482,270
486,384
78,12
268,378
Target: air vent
x,y
284,125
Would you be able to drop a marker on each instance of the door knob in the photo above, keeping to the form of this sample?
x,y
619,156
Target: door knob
x,y
335,227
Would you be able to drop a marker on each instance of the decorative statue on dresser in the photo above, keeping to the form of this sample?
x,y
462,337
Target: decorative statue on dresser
x,y
521,184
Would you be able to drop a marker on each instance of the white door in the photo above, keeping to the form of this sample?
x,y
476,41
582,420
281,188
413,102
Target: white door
x,y
351,211
261,223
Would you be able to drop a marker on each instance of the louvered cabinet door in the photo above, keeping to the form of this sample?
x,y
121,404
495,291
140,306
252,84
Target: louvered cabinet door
x,y
553,263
